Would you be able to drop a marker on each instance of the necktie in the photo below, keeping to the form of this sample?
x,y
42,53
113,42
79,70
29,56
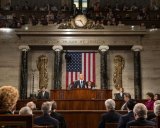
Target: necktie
x,y
81,83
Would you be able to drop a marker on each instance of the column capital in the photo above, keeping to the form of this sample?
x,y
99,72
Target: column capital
x,y
137,48
24,47
103,48
57,48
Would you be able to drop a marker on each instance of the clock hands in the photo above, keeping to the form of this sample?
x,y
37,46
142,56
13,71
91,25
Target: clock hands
x,y
81,22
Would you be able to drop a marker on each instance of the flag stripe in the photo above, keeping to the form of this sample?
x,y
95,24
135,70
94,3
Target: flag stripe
x,y
83,63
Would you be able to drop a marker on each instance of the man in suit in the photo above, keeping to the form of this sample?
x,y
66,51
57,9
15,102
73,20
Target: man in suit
x,y
111,116
120,95
140,114
46,119
129,116
58,116
127,97
81,83
43,94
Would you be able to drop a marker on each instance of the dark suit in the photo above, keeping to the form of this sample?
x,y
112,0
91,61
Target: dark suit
x,y
41,96
118,96
110,117
125,119
140,122
78,84
46,119
60,118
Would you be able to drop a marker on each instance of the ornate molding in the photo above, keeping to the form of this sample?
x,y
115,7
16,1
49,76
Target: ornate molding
x,y
57,48
137,48
103,48
24,47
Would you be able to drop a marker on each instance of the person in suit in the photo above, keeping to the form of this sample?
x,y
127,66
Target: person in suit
x,y
127,97
129,116
156,110
58,116
81,83
43,94
140,114
111,116
46,119
120,95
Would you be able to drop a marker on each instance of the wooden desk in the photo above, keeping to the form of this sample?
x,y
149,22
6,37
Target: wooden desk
x,y
76,94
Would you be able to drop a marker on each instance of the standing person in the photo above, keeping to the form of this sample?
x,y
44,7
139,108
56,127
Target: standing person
x,y
43,94
127,97
140,114
150,101
58,116
111,116
129,116
8,99
120,95
81,83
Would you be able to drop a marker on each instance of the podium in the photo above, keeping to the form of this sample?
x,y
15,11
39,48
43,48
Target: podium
x,y
80,94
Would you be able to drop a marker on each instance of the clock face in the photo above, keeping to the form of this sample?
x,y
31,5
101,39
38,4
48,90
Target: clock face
x,y
80,20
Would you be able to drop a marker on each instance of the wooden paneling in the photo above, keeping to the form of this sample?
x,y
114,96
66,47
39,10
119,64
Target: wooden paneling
x,y
81,94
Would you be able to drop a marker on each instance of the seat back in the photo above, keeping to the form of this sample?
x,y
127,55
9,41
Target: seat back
x,y
142,126
111,125
16,121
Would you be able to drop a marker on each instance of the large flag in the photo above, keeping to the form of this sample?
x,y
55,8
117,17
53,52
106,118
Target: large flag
x,y
80,62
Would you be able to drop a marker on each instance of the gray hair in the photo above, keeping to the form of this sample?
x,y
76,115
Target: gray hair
x,y
46,107
110,104
31,104
25,111
140,110
157,107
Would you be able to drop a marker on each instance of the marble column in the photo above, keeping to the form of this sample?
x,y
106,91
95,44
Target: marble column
x,y
137,71
24,71
104,75
57,67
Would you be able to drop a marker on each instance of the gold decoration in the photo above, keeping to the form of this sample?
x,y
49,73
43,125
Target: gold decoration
x,y
43,73
119,64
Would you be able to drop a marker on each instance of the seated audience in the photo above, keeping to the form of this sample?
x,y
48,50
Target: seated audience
x,y
25,111
140,114
150,102
43,94
58,116
31,105
124,119
120,95
127,97
111,116
46,119
156,109
157,97
8,97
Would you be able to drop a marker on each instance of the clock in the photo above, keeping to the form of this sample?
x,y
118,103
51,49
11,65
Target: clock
x,y
80,21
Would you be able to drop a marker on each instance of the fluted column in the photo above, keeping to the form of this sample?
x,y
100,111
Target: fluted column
x,y
137,71
104,76
57,66
24,71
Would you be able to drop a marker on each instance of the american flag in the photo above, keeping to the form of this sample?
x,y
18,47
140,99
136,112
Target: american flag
x,y
80,62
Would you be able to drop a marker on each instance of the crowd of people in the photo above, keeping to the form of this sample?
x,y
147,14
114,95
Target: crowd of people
x,y
54,15
137,112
